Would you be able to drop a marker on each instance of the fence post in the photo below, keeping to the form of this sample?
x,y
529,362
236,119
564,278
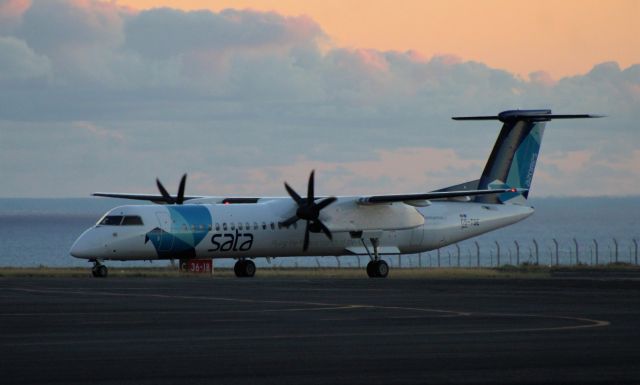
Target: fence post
x,y
615,242
420,260
399,261
577,252
535,243
498,255
557,251
449,257
517,253
438,257
478,253
595,242
635,243
458,248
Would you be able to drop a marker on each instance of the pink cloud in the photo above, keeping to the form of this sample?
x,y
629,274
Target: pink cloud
x,y
97,131
412,169
543,78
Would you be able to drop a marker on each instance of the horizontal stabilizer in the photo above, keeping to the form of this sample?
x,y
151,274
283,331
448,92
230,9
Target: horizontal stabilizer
x,y
527,115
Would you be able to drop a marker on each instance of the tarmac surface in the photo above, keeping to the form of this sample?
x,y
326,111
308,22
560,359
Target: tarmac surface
x,y
318,331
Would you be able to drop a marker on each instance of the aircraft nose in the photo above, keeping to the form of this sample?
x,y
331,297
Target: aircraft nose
x,y
83,247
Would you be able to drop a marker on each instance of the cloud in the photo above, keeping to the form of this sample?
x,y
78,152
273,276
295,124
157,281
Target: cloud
x,y
98,132
252,97
11,12
163,32
18,62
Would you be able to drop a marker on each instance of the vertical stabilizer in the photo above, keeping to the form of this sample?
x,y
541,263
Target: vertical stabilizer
x,y
514,155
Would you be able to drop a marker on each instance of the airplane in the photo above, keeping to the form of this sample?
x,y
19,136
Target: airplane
x,y
244,228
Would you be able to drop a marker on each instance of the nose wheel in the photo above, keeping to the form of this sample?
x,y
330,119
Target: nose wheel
x,y
244,268
99,270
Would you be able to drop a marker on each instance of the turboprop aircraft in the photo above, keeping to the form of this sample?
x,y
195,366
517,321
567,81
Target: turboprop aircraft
x,y
245,228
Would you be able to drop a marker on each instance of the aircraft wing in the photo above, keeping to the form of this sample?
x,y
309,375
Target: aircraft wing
x,y
366,200
409,198
161,200
140,197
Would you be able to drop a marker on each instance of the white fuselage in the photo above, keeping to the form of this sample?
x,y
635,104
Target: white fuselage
x,y
204,230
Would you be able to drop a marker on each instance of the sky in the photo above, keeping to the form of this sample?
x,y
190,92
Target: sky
x,y
107,96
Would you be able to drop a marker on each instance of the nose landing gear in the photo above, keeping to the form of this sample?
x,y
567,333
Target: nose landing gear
x,y
376,268
99,270
244,268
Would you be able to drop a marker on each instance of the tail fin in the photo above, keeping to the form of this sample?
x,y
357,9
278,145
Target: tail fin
x,y
514,155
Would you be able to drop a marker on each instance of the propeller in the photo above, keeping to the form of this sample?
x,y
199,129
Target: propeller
x,y
179,199
309,211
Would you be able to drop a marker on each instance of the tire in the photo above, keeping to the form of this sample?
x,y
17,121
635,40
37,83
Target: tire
x,y
382,269
249,268
238,268
371,269
101,271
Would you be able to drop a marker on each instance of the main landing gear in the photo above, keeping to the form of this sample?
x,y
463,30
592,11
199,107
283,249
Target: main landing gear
x,y
99,270
376,268
244,268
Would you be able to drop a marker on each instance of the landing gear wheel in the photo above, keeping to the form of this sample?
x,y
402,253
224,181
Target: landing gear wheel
x,y
370,271
377,269
249,268
237,268
244,268
382,269
100,271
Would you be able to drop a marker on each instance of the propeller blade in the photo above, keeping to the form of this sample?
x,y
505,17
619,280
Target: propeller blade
x,y
290,221
294,195
305,245
180,198
325,202
167,198
325,230
310,195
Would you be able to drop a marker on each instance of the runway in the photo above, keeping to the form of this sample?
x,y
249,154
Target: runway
x,y
318,331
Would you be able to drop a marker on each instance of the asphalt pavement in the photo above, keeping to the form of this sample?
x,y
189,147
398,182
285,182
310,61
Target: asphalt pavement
x,y
318,331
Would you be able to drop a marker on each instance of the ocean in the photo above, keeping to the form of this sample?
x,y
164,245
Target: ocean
x,y
39,232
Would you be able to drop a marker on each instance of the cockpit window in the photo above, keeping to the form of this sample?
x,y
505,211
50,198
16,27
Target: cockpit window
x,y
121,220
111,220
132,220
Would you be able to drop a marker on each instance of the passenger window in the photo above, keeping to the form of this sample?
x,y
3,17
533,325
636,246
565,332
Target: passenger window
x,y
273,226
248,226
132,220
255,225
111,220
239,226
217,226
264,226
210,227
233,226
224,226
193,227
